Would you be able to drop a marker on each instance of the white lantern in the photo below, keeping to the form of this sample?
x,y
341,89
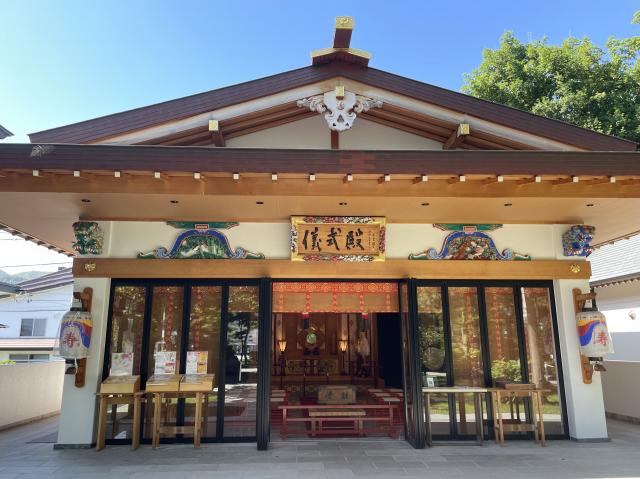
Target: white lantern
x,y
595,341
75,333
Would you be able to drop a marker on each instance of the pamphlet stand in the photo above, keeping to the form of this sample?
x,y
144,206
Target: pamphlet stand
x,y
117,390
189,385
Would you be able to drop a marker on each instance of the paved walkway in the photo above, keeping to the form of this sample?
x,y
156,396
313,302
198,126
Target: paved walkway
x,y
345,458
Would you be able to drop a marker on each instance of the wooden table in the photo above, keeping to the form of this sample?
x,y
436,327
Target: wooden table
x,y
116,390
115,399
477,398
537,425
186,385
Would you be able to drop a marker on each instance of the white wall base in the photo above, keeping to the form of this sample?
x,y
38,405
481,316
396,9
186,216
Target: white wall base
x,y
78,413
585,404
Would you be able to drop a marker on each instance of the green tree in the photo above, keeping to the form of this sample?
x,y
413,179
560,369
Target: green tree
x,y
577,81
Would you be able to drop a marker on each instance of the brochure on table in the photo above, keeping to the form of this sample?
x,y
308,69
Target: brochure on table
x,y
197,362
165,362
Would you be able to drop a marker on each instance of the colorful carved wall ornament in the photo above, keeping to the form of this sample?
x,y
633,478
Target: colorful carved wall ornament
x,y
89,237
575,241
201,241
468,242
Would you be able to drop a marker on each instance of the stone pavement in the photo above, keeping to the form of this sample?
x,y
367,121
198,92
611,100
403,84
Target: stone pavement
x,y
345,458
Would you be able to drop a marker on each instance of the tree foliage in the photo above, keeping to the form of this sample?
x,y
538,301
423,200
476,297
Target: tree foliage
x,y
577,82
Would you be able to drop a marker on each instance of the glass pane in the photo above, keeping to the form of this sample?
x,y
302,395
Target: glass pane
x,y
203,351
166,330
503,335
241,362
39,326
39,357
26,327
164,347
466,347
407,364
127,317
433,355
504,350
465,336
542,362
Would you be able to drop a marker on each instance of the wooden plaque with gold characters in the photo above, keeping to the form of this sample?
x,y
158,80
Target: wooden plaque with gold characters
x,y
338,238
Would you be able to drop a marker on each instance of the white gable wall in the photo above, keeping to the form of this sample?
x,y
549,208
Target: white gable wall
x,y
367,135
308,133
314,133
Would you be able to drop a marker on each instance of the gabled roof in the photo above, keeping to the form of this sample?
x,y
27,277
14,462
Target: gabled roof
x,y
145,117
616,263
8,288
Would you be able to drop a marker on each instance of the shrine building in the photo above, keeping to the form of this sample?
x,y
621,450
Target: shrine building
x,y
332,251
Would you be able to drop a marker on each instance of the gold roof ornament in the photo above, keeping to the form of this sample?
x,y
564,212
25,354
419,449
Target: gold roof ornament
x,y
341,49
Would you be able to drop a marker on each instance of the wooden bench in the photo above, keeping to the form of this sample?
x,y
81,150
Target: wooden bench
x,y
354,416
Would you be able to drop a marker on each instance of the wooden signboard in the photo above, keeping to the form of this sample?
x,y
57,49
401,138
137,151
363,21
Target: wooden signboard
x,y
343,238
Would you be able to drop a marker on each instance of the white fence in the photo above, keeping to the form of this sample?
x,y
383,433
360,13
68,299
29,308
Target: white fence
x,y
29,391
621,389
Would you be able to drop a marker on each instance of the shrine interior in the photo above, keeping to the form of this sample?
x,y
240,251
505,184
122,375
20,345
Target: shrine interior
x,y
337,357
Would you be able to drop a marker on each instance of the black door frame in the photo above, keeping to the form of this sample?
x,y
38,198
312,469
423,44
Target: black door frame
x,y
263,334
411,367
481,286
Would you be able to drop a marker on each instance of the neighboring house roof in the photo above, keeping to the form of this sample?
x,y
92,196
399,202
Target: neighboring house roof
x,y
27,344
616,263
48,281
8,288
140,118
4,133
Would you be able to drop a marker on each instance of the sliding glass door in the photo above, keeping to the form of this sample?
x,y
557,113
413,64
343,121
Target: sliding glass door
x,y
189,327
413,411
485,334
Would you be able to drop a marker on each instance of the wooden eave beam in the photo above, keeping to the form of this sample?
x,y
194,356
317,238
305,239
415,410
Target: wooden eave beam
x,y
216,134
475,140
418,123
181,135
187,140
400,126
485,140
284,268
265,126
457,137
561,181
289,184
240,123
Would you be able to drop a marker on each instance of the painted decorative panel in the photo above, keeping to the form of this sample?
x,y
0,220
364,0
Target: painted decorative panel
x,y
469,242
201,241
337,238
89,237
575,241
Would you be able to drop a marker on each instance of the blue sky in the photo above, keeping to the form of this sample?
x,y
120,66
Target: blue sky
x,y
66,61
